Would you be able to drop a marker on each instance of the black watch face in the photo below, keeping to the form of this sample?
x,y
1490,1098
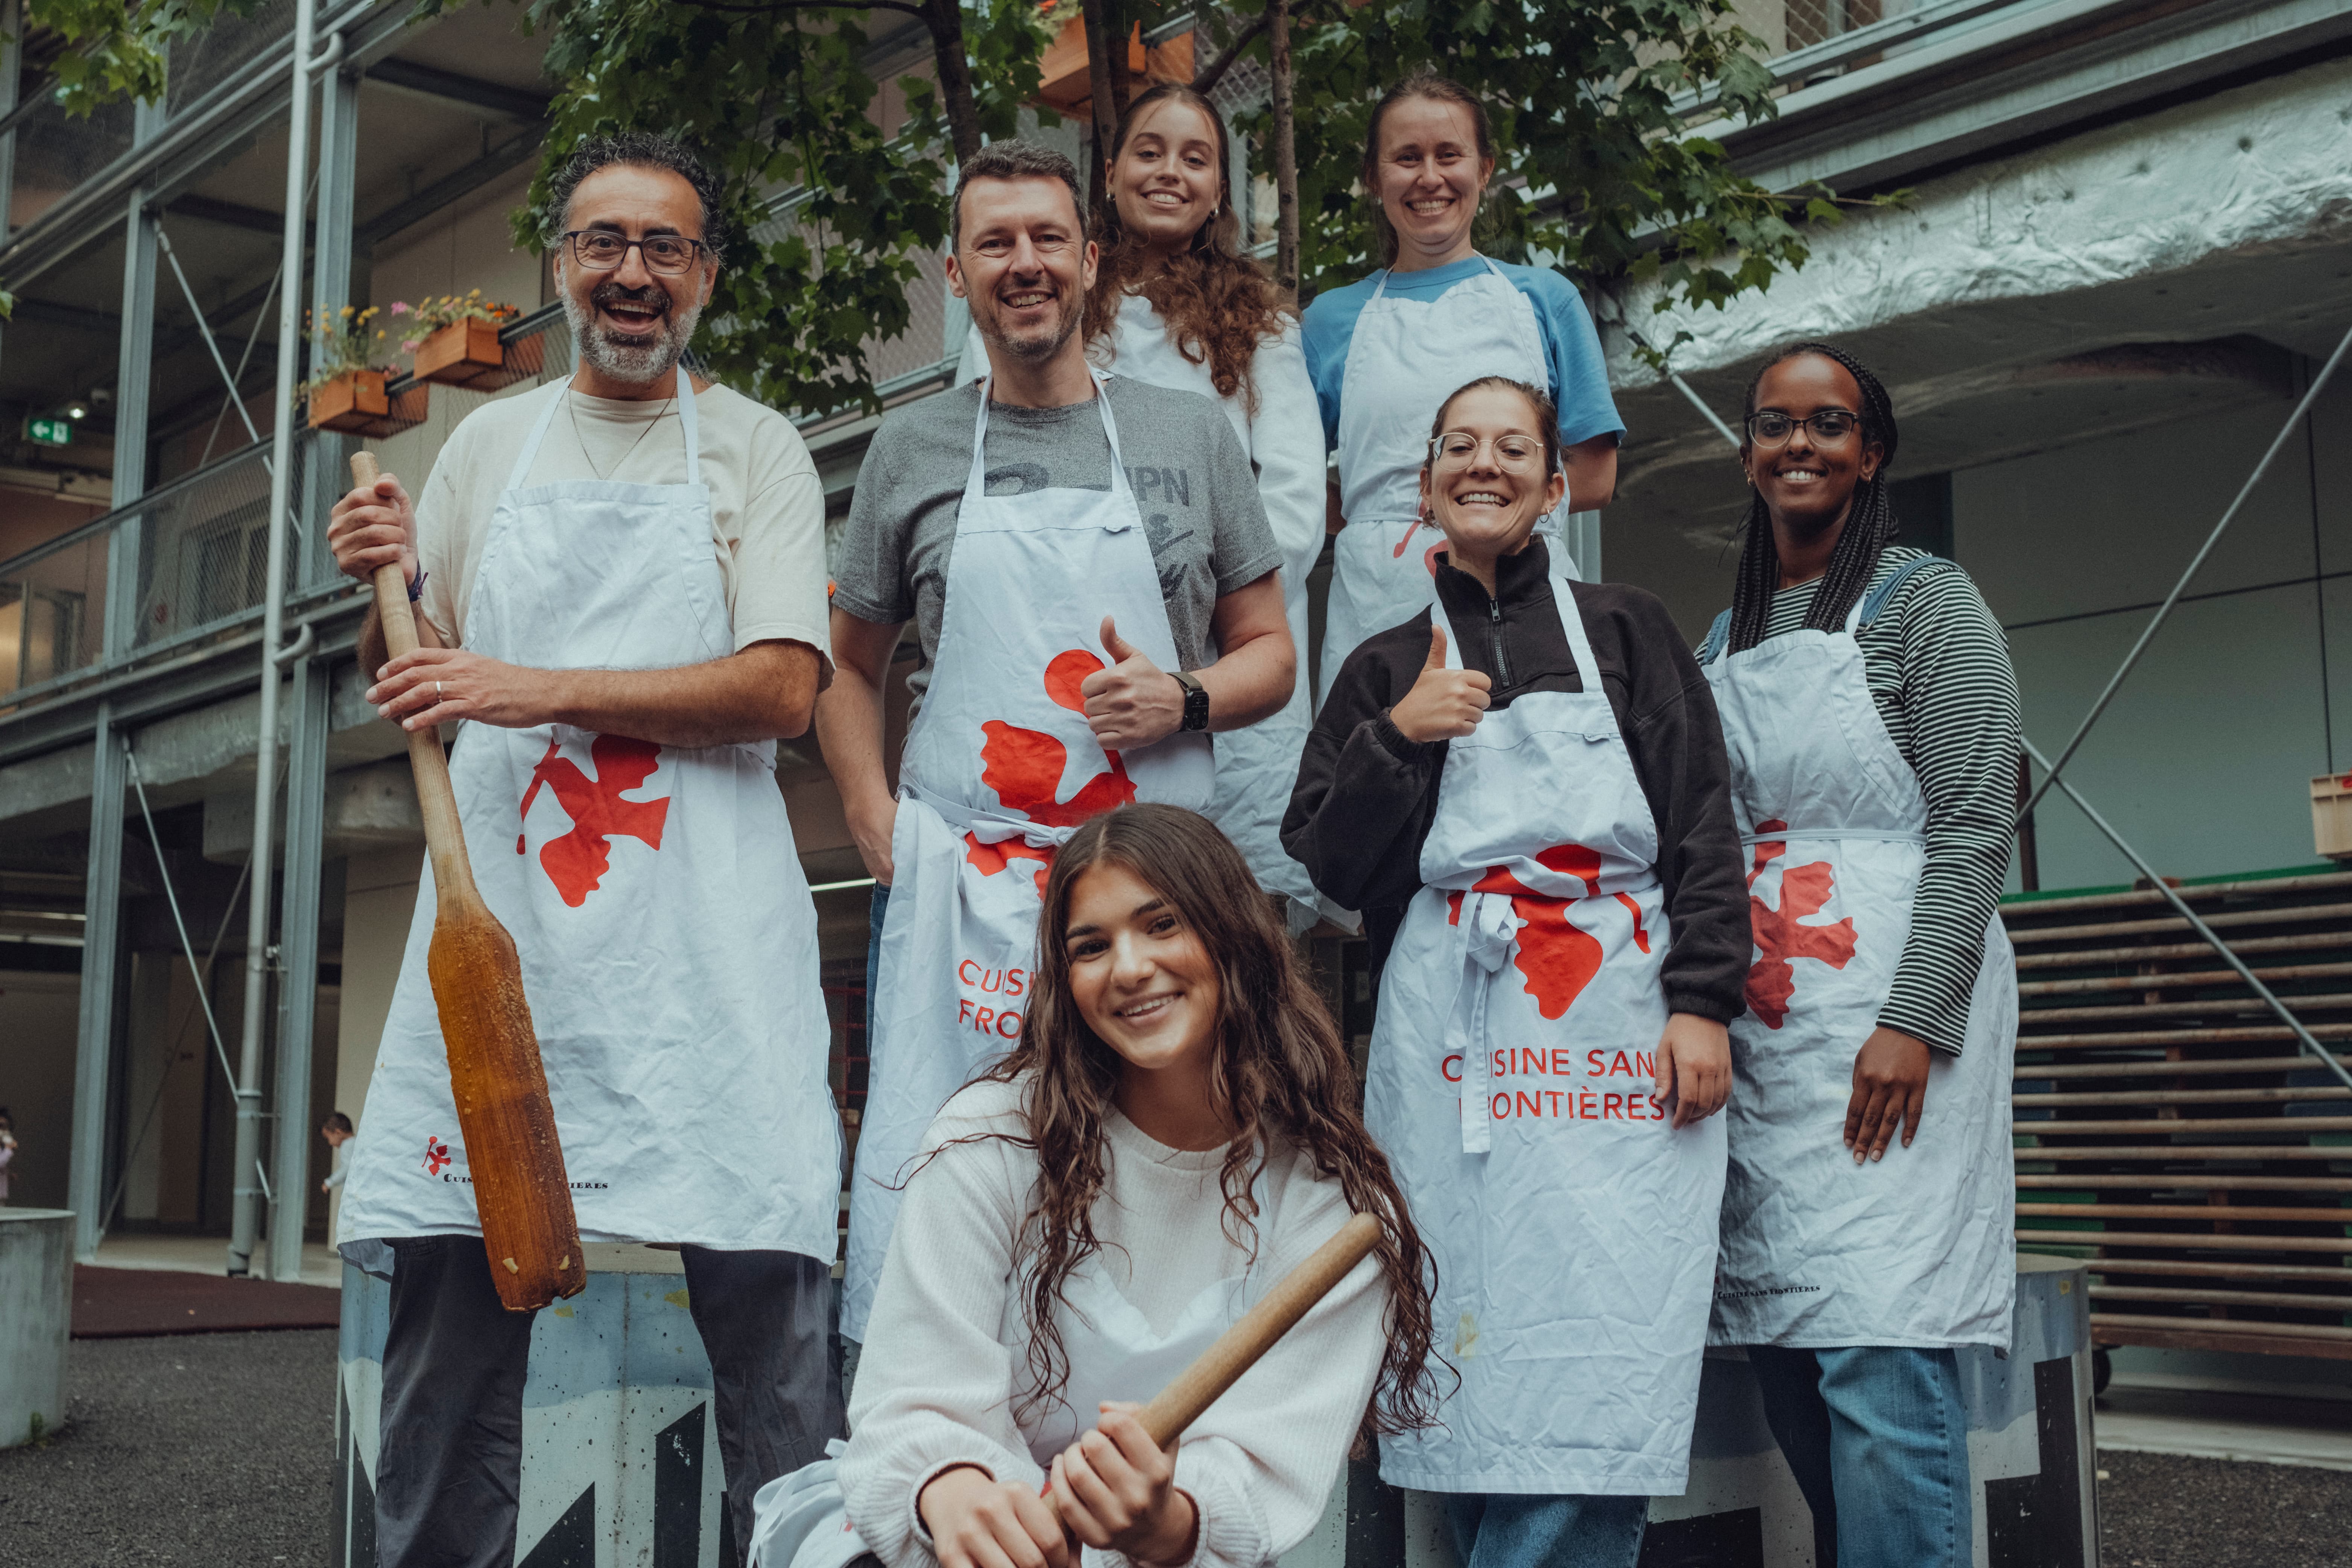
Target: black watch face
x,y
1196,708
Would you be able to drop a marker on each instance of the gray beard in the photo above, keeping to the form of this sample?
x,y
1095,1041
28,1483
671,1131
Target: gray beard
x,y
634,362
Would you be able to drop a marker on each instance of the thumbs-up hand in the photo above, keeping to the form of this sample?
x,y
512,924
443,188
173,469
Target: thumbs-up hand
x,y
1444,704
1134,703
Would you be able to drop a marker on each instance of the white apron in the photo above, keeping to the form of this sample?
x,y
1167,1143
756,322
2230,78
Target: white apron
x,y
1918,1248
1405,358
1113,1352
1510,1080
999,770
667,940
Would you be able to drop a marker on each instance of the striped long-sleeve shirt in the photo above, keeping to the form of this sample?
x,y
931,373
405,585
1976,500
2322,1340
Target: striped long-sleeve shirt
x,y
1939,673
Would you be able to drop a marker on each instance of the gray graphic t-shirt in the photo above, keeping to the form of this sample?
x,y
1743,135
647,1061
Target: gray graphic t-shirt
x,y
1194,487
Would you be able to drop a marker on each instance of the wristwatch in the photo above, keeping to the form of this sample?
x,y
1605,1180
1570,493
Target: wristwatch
x,y
1196,700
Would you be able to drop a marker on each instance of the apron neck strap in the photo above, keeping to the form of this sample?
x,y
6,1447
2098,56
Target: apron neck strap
x,y
530,453
1381,287
1563,602
689,425
976,482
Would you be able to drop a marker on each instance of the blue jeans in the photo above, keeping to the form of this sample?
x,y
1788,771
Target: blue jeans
x,y
1507,1529
1878,1438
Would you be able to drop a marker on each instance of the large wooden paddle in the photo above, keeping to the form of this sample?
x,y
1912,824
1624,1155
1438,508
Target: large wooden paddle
x,y
521,1191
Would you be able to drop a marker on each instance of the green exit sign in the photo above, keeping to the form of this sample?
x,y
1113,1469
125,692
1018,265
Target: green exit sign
x,y
56,432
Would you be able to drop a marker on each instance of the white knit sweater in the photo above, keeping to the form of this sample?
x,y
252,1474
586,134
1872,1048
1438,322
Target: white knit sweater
x,y
945,1345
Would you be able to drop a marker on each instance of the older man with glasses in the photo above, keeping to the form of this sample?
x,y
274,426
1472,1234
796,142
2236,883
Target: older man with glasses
x,y
622,593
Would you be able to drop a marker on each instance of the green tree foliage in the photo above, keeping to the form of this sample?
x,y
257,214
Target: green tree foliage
x,y
779,97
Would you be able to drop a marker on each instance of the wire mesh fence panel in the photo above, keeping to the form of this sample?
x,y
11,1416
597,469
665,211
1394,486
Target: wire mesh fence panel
x,y
55,152
203,551
50,609
922,344
1810,22
203,59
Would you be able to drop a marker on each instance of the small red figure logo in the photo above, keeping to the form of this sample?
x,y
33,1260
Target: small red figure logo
x,y
1558,958
1779,941
1025,768
436,1156
577,861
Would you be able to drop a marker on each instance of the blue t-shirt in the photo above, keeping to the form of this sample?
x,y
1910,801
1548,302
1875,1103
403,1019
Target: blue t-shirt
x,y
1579,380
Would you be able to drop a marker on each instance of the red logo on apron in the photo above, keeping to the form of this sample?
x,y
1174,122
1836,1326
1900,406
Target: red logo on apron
x,y
577,861
1025,768
437,1154
1558,959
1804,891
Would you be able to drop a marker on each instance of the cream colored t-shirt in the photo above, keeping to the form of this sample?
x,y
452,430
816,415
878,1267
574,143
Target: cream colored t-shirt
x,y
767,505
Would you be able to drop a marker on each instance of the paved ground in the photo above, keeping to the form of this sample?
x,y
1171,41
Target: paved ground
x,y
216,1449
2157,1511
213,1449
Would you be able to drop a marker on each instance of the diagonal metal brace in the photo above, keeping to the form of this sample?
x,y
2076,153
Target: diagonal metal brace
x,y
2180,905
2196,563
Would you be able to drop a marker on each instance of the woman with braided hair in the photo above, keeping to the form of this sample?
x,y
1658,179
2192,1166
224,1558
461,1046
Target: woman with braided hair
x,y
1870,713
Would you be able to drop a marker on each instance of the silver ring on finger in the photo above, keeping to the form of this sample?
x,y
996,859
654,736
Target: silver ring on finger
x,y
438,691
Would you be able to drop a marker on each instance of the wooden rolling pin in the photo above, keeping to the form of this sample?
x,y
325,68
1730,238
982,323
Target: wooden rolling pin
x,y
521,1191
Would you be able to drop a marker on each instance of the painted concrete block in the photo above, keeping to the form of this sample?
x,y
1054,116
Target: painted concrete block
x,y
35,1318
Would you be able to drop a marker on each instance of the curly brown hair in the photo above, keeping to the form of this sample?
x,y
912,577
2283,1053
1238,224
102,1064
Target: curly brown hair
x,y
1280,1074
1218,303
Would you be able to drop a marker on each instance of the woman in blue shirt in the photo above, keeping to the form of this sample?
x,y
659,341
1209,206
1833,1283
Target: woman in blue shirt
x,y
1382,353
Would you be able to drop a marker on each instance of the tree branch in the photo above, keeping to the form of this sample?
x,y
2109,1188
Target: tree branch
x,y
1207,82
763,7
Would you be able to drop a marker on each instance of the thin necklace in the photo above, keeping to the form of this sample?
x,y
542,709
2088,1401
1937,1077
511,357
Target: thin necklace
x,y
572,408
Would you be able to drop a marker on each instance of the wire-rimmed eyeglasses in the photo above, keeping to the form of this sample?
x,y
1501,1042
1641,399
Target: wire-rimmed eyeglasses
x,y
1828,426
1459,449
602,250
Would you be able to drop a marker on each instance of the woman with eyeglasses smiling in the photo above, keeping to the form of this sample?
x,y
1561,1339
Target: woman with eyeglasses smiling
x,y
1523,790
1870,716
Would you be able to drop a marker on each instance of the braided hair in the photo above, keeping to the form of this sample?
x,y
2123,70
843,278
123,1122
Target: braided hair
x,y
1869,518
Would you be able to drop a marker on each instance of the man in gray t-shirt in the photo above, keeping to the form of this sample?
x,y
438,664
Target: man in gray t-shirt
x,y
1191,479
1040,707
1020,257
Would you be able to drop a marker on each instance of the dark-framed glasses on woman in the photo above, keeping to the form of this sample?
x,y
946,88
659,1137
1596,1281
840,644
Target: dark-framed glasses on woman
x,y
1772,427
1459,449
602,250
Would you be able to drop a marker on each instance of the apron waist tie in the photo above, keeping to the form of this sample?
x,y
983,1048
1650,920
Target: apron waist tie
x,y
988,826
1488,928
1815,834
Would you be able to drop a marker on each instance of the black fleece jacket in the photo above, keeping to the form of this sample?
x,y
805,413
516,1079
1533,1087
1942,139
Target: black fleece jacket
x,y
1365,795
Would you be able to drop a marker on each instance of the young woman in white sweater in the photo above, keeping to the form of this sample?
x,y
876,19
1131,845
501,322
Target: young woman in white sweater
x,y
1176,1130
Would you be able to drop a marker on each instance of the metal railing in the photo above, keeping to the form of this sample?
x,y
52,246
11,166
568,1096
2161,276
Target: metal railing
x,y
198,545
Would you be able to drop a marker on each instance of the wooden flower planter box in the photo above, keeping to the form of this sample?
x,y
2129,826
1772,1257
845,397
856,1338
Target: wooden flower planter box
x,y
350,402
468,354
359,405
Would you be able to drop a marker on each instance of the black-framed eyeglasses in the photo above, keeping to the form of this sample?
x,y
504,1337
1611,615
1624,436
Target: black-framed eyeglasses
x,y
1772,427
602,250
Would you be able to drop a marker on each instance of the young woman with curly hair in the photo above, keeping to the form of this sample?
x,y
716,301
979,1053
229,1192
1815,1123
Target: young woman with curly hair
x,y
1176,303
1175,1130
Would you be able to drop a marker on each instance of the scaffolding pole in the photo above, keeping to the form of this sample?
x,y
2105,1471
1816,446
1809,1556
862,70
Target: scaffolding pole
x,y
2196,565
247,1169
